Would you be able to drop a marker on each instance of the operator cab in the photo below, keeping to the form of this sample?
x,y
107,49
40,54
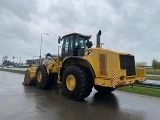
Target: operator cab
x,y
74,44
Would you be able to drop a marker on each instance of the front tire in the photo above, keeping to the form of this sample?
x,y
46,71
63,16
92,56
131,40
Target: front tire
x,y
42,78
77,82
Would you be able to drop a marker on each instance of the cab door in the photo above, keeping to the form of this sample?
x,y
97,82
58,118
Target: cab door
x,y
67,47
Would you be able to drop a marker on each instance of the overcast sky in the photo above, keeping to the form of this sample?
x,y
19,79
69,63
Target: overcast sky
x,y
131,26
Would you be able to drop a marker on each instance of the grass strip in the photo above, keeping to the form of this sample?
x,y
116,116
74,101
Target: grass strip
x,y
141,90
152,71
153,78
13,71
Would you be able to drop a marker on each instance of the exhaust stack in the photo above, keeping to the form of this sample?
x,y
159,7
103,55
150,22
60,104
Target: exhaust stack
x,y
98,39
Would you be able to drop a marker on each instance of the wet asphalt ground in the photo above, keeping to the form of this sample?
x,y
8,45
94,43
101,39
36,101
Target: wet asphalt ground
x,y
18,102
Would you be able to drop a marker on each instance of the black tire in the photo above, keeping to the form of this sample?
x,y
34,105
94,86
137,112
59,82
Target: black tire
x,y
84,82
53,77
43,82
102,89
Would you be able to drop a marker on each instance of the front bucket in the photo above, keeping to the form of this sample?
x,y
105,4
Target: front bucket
x,y
29,78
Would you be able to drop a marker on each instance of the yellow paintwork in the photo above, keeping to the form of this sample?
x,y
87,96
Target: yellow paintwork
x,y
39,76
32,71
140,72
53,66
70,82
112,63
30,75
112,60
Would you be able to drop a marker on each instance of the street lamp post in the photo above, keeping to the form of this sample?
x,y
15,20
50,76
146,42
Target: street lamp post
x,y
41,46
33,53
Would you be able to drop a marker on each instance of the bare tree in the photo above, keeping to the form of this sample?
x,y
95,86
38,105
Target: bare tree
x,y
141,64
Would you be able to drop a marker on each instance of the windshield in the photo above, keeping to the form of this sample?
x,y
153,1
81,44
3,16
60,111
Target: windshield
x,y
81,41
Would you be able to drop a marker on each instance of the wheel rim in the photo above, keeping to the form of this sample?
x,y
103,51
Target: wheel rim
x,y
39,76
71,82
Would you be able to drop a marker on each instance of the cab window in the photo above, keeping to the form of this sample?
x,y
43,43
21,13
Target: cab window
x,y
67,44
80,42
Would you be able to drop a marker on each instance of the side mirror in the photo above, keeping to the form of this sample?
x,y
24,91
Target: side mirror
x,y
89,44
59,40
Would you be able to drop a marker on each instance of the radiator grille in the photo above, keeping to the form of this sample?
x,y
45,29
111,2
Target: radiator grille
x,y
102,64
127,62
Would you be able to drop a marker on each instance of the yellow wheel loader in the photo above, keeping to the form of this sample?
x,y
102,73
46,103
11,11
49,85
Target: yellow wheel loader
x,y
80,67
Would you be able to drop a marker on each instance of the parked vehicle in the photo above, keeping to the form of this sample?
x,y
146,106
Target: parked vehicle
x,y
80,67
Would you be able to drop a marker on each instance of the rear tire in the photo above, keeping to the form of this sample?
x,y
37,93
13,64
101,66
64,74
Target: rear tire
x,y
43,80
102,89
77,82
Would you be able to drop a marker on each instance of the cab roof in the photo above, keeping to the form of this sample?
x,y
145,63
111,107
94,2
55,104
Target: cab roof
x,y
76,34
